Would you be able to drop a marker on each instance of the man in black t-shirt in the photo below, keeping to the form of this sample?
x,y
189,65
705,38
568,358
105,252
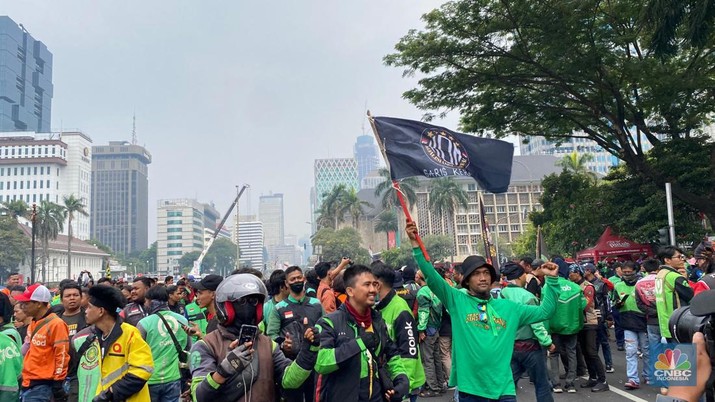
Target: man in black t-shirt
x,y
73,313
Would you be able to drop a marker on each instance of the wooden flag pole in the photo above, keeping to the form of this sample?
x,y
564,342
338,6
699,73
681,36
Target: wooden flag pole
x,y
406,211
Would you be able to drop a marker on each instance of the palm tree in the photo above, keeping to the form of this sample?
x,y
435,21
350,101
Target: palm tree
x,y
389,197
445,196
332,209
16,208
50,221
387,222
72,205
355,206
577,163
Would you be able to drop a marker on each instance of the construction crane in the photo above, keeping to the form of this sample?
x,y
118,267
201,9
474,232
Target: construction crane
x,y
196,271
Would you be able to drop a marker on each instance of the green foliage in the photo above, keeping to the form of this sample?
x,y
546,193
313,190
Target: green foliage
x,y
561,69
577,163
14,245
223,254
49,221
340,243
388,196
186,262
16,208
387,222
439,247
72,205
337,203
525,245
397,257
101,246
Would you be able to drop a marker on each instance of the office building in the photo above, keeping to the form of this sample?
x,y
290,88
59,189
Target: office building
x,y
250,242
270,212
328,173
507,213
120,196
211,216
180,230
48,167
366,156
25,80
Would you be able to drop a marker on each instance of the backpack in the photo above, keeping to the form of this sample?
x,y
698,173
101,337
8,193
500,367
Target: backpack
x,y
409,294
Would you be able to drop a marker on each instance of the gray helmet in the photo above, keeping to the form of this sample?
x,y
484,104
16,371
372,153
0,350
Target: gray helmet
x,y
237,286
233,289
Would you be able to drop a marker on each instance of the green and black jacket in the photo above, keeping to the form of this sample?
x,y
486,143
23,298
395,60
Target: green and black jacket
x,y
345,365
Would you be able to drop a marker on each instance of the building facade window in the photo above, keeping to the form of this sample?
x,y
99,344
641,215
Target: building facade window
x,y
174,222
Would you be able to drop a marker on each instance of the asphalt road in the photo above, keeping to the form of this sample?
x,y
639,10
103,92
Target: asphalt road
x,y
525,391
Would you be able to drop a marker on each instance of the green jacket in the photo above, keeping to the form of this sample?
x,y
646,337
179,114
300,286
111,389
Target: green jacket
x,y
163,350
490,334
533,331
11,368
671,292
402,330
429,312
9,330
197,315
569,317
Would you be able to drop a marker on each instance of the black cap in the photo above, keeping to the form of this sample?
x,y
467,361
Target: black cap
x,y
512,270
471,263
106,297
398,282
209,282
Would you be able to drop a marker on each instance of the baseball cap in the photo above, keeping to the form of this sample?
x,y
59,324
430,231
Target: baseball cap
x,y
209,282
35,292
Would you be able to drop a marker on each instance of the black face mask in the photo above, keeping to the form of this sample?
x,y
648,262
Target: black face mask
x,y
297,287
244,314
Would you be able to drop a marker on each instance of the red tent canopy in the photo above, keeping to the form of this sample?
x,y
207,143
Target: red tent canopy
x,y
610,245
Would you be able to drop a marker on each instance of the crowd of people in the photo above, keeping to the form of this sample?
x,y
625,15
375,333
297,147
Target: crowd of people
x,y
347,332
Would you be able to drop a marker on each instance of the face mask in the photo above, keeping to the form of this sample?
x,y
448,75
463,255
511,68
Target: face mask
x,y
297,287
244,314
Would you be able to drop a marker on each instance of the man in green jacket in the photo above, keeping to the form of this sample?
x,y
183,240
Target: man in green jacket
x,y
487,325
671,288
401,326
156,329
11,363
530,339
429,320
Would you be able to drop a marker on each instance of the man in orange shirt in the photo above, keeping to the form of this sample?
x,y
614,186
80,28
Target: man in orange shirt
x,y
47,356
325,290
12,280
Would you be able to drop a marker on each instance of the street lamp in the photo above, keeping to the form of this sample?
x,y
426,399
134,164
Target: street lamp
x,y
34,237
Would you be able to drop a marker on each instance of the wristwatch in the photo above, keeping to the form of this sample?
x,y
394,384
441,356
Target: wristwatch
x,y
666,398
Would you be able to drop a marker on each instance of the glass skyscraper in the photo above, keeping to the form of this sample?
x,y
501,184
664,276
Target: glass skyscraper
x,y
25,80
366,156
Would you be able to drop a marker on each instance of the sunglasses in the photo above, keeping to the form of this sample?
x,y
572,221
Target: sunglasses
x,y
482,308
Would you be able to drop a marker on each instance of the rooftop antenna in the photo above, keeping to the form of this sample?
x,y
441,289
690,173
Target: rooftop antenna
x,y
134,129
364,118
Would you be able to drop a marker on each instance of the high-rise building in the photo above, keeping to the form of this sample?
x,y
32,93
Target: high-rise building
x,y
602,160
180,230
212,217
25,80
366,156
328,173
47,167
270,212
250,243
120,196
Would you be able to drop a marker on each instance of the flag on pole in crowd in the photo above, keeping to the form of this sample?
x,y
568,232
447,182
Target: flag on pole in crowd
x,y
108,270
489,249
541,245
414,148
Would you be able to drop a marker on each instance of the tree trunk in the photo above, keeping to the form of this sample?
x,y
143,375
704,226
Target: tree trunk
x,y
69,247
45,258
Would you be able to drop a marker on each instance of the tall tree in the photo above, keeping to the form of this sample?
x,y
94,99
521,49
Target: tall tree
x,y
50,222
677,22
445,196
223,254
16,208
73,205
13,245
337,244
354,206
577,163
332,209
388,196
387,222
561,69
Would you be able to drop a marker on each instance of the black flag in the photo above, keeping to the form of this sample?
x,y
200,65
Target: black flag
x,y
414,148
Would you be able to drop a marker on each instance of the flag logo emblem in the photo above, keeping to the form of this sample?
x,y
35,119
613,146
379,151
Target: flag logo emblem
x,y
443,148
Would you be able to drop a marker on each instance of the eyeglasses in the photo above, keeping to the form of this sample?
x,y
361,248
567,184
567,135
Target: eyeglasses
x,y
250,301
482,308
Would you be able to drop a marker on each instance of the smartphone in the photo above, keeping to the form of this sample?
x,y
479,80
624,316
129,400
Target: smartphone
x,y
248,334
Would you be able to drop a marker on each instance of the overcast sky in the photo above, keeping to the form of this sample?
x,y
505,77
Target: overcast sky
x,y
226,92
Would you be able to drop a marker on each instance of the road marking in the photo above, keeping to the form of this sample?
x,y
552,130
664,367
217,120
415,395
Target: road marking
x,y
627,395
